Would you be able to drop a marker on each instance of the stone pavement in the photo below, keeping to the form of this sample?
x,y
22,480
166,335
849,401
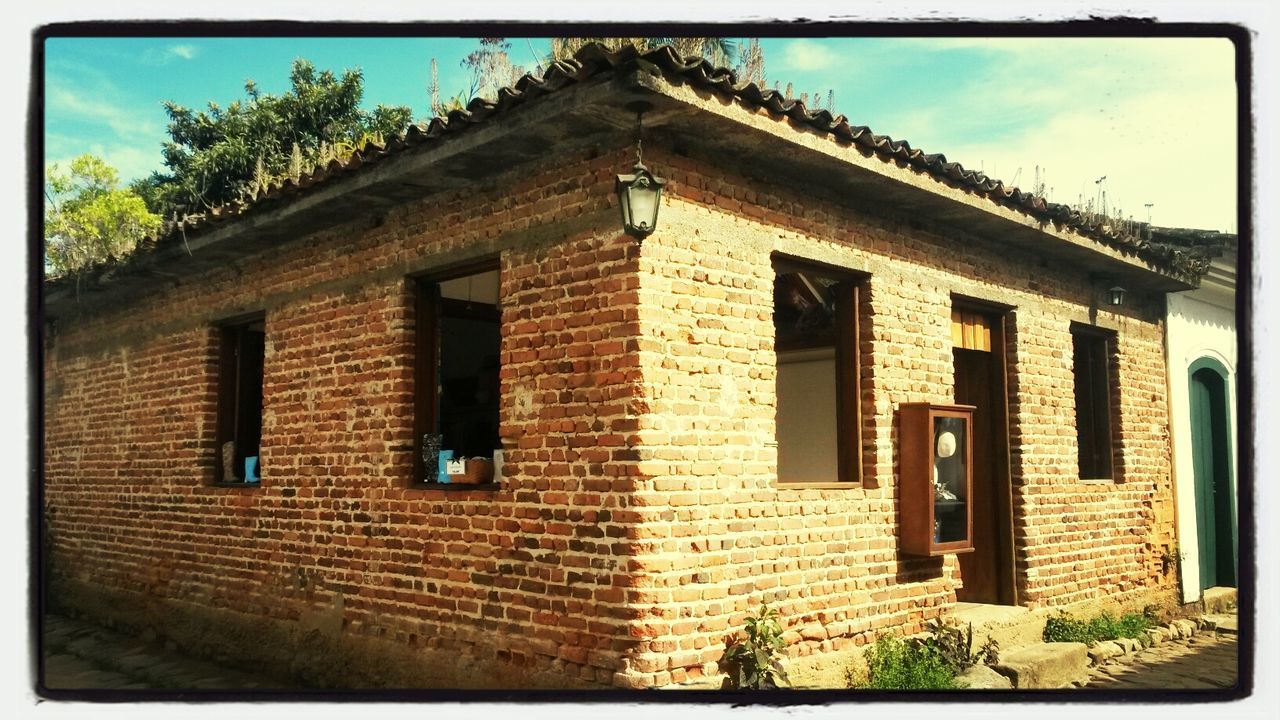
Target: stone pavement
x,y
79,655
82,656
1209,660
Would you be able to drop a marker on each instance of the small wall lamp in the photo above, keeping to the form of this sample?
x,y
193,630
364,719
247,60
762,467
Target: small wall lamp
x,y
1114,293
639,192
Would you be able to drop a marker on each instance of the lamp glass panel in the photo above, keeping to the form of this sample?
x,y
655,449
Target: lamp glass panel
x,y
624,200
644,206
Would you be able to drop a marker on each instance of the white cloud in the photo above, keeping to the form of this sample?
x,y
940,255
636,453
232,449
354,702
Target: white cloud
x,y
132,161
1175,150
124,122
165,55
1156,116
808,55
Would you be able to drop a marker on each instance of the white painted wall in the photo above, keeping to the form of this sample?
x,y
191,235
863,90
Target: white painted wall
x,y
1201,323
807,416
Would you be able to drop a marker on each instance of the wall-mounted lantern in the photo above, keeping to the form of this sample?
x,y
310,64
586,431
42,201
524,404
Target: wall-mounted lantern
x,y
640,192
1115,296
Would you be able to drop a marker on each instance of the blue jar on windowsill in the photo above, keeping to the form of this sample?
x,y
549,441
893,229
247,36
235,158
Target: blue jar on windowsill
x,y
442,473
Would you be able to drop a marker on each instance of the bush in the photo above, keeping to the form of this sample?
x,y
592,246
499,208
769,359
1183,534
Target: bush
x,y
897,664
929,663
1065,628
955,645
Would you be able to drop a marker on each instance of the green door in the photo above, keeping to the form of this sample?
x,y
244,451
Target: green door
x,y
1211,455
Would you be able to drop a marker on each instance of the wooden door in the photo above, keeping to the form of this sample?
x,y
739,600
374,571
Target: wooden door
x,y
978,354
1210,451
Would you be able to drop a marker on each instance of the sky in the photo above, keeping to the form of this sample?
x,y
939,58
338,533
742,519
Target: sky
x,y
1155,116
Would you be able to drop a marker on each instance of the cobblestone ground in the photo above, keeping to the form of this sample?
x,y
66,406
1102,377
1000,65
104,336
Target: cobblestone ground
x,y
1208,661
83,656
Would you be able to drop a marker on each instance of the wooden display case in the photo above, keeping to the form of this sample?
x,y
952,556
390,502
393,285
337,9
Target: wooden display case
x,y
935,457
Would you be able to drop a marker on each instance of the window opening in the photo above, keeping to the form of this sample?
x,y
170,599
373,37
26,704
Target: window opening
x,y
1093,382
815,324
458,396
242,350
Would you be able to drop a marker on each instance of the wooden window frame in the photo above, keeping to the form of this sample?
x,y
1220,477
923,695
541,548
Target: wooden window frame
x,y
1094,394
234,395
426,394
848,351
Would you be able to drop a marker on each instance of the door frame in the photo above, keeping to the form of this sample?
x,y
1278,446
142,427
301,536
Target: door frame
x,y
1210,363
1001,334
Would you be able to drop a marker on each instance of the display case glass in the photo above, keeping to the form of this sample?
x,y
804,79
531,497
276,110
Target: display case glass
x,y
936,479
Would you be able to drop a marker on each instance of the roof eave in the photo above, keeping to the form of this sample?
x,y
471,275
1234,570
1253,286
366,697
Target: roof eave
x,y
749,136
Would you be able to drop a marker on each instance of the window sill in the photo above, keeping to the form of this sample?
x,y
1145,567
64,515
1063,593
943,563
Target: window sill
x,y
456,487
1097,481
243,485
779,485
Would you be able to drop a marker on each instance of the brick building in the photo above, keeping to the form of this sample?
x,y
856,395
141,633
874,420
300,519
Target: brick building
x,y
688,426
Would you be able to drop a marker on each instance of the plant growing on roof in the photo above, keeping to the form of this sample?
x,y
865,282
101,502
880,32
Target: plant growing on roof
x,y
754,662
720,51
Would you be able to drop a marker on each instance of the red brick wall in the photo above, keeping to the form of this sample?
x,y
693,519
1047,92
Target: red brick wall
x,y
721,537
640,520
528,578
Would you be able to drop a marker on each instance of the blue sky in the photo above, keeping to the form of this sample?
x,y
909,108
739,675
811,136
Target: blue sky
x,y
1156,116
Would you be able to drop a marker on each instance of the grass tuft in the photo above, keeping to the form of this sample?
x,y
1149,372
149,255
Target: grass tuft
x,y
1065,628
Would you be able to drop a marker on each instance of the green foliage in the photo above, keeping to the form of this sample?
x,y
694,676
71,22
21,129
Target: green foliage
x,y
88,218
1065,628
928,663
897,664
754,663
225,154
955,645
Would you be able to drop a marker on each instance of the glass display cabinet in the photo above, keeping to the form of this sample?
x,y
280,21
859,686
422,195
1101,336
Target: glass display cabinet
x,y
935,460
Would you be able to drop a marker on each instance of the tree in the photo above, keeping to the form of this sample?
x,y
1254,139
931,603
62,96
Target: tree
x,y
88,218
226,154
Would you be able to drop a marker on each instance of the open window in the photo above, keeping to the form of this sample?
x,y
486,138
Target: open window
x,y
242,344
457,395
1094,380
816,338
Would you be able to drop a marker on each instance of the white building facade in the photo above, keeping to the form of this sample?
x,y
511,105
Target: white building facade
x,y
1203,363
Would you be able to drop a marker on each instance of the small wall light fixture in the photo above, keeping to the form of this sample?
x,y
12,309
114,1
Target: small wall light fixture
x,y
1115,296
640,192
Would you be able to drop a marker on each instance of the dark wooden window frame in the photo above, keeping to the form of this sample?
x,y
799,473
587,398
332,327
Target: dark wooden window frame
x,y
1093,372
918,504
848,346
237,416
426,396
